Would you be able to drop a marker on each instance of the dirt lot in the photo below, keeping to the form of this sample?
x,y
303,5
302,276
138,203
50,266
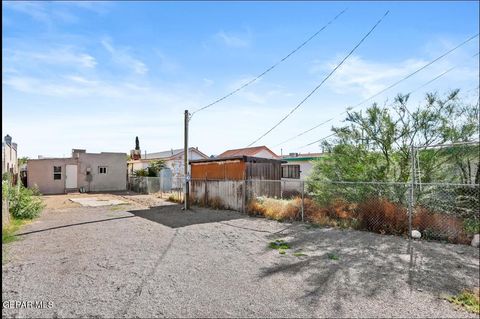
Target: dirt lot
x,y
144,260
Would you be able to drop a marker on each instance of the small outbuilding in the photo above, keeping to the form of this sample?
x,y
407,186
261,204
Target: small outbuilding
x,y
84,172
230,182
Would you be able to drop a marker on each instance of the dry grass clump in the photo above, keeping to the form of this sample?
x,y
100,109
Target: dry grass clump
x,y
377,215
289,210
176,198
382,216
440,226
216,203
277,209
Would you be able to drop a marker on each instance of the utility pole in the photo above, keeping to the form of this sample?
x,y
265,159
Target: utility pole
x,y
185,156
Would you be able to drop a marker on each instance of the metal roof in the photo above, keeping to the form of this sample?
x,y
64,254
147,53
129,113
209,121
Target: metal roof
x,y
239,157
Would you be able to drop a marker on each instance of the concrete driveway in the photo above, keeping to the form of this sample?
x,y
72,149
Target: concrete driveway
x,y
135,261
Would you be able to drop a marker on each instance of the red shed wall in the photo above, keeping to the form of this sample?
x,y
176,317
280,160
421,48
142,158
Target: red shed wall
x,y
221,170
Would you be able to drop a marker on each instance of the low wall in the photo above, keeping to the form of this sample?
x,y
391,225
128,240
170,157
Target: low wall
x,y
218,193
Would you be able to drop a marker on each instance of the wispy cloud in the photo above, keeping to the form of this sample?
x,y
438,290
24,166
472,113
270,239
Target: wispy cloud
x,y
365,77
122,57
235,40
62,55
263,93
167,64
208,82
52,13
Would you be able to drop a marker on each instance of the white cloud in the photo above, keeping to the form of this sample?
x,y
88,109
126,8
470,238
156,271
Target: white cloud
x,y
122,57
365,77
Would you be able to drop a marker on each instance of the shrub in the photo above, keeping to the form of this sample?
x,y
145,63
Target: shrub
x,y
471,226
381,216
25,203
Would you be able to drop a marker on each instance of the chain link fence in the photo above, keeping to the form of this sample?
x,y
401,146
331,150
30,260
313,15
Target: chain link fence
x,y
170,188
445,212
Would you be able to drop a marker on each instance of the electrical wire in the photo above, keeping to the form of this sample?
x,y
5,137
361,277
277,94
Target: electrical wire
x,y
270,68
389,87
321,83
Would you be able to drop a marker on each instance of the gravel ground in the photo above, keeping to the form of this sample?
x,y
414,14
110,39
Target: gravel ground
x,y
136,261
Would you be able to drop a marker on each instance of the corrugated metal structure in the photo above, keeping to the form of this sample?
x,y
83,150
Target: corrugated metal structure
x,y
223,182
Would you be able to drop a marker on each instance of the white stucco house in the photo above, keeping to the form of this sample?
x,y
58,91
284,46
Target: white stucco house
x,y
174,160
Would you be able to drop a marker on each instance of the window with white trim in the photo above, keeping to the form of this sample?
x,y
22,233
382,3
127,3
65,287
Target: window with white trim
x,y
102,170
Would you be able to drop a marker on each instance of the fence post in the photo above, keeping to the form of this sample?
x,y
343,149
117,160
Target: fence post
x,y
303,191
412,187
244,196
206,194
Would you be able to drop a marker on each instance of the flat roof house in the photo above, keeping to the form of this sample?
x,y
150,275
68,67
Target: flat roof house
x,y
89,172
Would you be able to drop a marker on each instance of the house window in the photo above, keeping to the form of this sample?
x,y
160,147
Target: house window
x,y
291,171
102,170
57,172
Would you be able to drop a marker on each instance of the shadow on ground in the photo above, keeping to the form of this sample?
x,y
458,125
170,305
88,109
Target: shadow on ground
x,y
352,263
174,217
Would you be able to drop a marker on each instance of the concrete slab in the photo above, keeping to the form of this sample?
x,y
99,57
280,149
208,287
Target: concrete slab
x,y
97,202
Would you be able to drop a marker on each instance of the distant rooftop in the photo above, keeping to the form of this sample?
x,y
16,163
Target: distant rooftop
x,y
248,151
167,154
301,156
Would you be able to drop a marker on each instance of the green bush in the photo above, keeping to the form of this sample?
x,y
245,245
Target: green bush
x,y
25,203
471,226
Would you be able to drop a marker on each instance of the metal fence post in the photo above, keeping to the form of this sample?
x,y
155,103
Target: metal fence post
x,y
206,193
412,186
244,196
303,202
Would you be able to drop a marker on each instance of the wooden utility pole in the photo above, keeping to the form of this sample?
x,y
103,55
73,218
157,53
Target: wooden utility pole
x,y
185,156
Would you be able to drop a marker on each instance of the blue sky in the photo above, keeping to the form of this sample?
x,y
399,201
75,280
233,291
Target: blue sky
x,y
94,75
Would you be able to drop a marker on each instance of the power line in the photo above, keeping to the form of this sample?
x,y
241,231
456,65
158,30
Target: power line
x,y
323,138
438,76
423,85
272,67
389,87
321,83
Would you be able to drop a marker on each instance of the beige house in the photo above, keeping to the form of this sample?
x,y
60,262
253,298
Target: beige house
x,y
173,160
9,156
84,172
